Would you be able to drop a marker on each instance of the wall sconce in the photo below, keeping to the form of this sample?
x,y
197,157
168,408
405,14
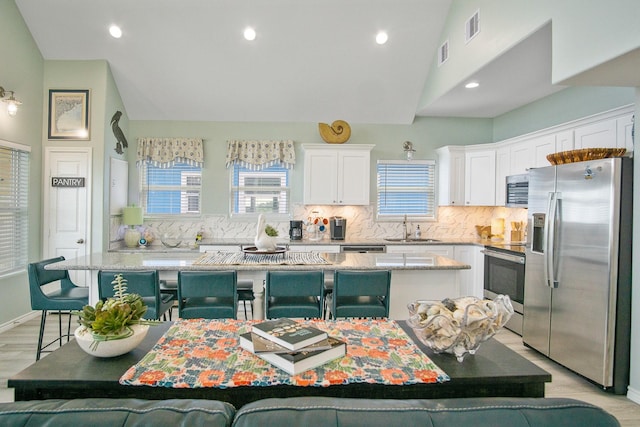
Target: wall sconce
x,y
12,108
408,149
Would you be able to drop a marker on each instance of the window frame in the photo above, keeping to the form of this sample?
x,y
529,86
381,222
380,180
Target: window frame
x,y
16,258
251,216
430,186
185,189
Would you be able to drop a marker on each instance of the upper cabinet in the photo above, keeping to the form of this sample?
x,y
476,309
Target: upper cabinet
x,y
337,175
480,177
451,161
611,133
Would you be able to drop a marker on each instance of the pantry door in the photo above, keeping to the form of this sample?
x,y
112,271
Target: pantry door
x,y
67,206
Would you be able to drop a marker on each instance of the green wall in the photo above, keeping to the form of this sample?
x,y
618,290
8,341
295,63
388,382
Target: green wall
x,y
561,107
21,70
426,134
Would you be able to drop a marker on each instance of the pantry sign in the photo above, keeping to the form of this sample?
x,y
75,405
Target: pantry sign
x,y
67,181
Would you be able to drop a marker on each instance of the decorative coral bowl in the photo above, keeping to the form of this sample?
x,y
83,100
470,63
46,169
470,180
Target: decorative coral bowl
x,y
110,348
458,326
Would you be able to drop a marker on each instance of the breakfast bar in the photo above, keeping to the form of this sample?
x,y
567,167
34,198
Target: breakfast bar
x,y
414,276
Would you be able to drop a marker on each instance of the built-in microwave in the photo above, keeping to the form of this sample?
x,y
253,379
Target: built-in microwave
x,y
517,191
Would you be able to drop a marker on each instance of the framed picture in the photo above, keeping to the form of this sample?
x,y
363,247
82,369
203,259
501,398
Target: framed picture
x,y
69,114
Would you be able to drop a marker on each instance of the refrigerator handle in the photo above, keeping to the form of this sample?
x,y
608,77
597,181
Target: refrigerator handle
x,y
550,235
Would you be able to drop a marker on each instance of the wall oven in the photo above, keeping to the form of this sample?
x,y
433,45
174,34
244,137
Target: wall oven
x,y
504,274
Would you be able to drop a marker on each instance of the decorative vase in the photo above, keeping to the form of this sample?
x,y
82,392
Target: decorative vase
x,y
263,241
111,347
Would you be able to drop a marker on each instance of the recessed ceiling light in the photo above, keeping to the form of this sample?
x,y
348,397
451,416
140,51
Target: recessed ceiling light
x,y
472,85
382,37
115,31
249,33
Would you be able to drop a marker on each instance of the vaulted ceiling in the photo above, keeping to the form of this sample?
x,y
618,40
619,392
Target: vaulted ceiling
x,y
311,60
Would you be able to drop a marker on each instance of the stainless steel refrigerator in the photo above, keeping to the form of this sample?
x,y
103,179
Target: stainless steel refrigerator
x,y
577,295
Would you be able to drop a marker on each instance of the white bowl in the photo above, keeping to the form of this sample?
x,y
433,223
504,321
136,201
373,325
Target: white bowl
x,y
110,348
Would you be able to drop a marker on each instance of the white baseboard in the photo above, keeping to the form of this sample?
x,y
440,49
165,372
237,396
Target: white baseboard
x,y
633,394
19,320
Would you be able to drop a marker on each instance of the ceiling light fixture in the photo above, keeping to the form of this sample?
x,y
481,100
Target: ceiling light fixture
x,y
382,37
408,149
115,31
12,108
249,34
472,85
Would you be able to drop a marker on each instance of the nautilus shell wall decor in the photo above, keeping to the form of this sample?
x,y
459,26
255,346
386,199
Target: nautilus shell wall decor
x,y
338,133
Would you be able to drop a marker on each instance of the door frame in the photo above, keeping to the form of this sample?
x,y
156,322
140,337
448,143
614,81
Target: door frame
x,y
46,193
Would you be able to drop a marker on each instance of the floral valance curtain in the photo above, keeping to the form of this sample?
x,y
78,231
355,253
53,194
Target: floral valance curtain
x,y
257,155
166,152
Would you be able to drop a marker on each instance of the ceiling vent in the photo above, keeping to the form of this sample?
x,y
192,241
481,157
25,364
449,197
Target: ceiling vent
x,y
472,27
443,53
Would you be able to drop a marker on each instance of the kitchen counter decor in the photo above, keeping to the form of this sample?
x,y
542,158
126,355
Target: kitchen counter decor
x,y
339,132
581,155
458,326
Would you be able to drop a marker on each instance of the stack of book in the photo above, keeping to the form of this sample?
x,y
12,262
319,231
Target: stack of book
x,y
292,346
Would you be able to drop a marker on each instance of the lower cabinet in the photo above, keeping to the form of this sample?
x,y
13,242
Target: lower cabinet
x,y
471,281
331,249
442,250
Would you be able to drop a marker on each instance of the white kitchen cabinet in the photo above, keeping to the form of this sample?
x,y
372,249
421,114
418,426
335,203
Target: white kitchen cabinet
x,y
442,250
503,169
337,175
221,248
564,141
480,177
451,162
624,132
596,135
471,281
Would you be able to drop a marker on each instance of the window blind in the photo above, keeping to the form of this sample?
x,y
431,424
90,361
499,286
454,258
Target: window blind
x,y
14,207
174,190
406,188
259,191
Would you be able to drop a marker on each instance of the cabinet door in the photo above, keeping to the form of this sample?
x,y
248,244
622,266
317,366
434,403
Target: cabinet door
x,y
451,176
596,135
480,178
521,157
564,141
540,147
624,134
471,281
320,177
353,178
503,169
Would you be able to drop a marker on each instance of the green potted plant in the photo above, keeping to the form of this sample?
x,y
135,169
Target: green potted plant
x,y
114,326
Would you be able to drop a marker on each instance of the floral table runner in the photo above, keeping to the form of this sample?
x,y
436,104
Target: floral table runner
x,y
238,258
206,353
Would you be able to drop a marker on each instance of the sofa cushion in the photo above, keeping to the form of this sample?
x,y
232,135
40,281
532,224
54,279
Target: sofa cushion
x,y
116,412
476,412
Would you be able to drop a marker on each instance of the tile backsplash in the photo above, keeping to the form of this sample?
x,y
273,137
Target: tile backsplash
x,y
452,222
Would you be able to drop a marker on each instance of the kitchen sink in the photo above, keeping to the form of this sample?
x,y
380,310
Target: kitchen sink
x,y
411,239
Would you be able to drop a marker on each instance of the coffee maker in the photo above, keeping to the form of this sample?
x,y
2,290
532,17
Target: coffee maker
x,y
295,230
338,226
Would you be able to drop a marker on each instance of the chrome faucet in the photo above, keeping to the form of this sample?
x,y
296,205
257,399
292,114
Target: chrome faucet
x,y
405,234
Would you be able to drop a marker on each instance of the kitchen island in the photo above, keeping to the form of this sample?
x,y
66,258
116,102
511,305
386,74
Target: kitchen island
x,y
414,275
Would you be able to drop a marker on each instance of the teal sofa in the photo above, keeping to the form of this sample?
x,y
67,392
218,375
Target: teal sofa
x,y
308,412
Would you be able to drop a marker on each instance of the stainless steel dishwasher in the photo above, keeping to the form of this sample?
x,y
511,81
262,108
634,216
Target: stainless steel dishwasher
x,y
363,249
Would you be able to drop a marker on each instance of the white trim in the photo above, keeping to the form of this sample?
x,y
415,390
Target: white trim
x,y
15,145
633,395
18,321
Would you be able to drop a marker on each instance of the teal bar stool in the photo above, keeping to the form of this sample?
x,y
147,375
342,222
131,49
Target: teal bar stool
x,y
207,294
144,283
360,293
68,297
294,294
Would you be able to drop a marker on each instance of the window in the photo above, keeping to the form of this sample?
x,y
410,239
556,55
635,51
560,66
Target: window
x,y
259,191
14,217
172,190
406,188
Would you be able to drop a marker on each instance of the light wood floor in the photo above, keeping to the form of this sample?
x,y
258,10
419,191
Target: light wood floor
x,y
17,351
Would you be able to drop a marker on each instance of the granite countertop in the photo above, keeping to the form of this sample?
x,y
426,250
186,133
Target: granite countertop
x,y
190,247
184,261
